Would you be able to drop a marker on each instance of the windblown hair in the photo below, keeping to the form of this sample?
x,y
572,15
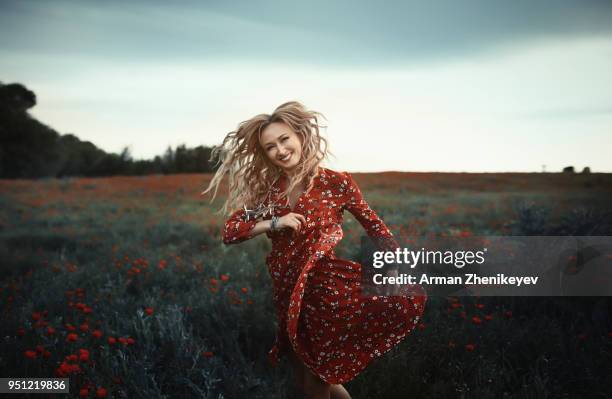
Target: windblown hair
x,y
251,174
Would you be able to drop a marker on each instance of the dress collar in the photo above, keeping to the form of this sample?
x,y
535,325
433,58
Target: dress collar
x,y
281,182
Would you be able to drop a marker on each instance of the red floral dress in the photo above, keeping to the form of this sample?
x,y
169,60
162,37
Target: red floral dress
x,y
321,313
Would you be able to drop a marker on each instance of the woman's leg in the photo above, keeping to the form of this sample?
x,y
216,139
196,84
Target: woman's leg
x,y
298,369
311,384
314,387
337,391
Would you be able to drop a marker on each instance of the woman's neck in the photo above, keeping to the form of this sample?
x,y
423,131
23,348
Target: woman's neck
x,y
291,173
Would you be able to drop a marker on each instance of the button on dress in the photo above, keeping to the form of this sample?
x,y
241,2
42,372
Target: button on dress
x,y
321,313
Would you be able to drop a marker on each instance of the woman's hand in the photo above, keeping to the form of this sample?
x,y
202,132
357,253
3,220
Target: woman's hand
x,y
291,220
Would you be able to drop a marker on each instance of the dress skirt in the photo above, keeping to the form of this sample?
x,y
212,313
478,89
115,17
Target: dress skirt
x,y
338,331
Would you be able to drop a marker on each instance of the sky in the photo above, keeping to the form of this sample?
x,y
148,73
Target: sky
x,y
449,86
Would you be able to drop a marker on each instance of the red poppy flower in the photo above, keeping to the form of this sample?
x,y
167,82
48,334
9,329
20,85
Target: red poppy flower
x,y
30,354
69,327
63,370
470,347
72,337
21,331
101,393
224,278
123,340
508,314
244,290
213,281
41,323
36,316
50,330
84,327
479,305
208,354
46,354
476,320
149,311
130,341
96,334
112,340
488,317
84,392
83,355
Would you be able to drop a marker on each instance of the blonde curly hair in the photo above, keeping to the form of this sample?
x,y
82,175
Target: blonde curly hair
x,y
251,174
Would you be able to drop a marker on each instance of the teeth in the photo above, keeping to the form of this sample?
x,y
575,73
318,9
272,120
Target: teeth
x,y
286,157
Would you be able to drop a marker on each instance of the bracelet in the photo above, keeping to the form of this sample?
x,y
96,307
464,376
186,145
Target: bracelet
x,y
274,223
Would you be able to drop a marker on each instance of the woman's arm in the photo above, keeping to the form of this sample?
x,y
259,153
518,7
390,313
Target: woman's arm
x,y
374,226
237,230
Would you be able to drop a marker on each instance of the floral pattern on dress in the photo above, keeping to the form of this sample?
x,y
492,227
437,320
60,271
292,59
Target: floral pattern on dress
x,y
320,311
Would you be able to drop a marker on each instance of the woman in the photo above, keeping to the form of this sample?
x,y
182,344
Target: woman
x,y
326,328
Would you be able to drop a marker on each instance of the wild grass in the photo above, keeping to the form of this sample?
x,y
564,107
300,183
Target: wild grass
x,y
135,269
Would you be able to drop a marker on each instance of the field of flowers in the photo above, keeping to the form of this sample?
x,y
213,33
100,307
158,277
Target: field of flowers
x,y
123,285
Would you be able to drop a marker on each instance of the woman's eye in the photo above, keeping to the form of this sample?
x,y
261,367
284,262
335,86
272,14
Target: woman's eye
x,y
284,138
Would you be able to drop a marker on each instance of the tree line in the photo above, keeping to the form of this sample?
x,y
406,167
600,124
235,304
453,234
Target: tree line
x,y
31,149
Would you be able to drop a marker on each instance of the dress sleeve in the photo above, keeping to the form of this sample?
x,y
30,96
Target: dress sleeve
x,y
237,229
376,229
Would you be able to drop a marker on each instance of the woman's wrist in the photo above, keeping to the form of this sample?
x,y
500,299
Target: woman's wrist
x,y
274,223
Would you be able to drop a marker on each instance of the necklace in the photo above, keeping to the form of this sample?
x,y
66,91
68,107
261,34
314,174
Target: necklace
x,y
262,210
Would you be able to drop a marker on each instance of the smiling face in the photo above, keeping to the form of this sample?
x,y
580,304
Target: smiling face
x,y
281,145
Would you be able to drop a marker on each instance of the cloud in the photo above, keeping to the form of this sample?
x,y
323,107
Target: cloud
x,y
318,32
438,75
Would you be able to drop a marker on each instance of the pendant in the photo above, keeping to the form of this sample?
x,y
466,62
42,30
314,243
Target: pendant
x,y
260,211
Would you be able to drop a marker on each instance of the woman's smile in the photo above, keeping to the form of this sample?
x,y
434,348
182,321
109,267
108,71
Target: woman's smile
x,y
286,158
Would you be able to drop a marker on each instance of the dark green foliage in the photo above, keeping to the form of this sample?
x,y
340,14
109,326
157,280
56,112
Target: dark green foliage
x,y
30,149
536,220
530,348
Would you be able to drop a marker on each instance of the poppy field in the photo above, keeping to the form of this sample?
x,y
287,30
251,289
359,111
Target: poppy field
x,y
123,285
